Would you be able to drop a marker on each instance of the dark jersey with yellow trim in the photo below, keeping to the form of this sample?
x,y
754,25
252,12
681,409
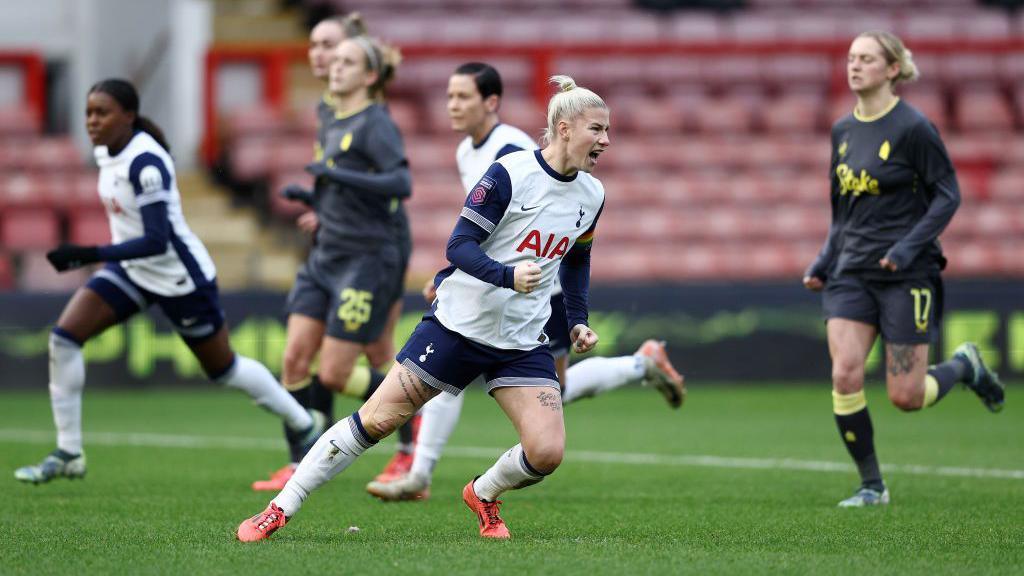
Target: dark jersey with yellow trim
x,y
355,219
893,191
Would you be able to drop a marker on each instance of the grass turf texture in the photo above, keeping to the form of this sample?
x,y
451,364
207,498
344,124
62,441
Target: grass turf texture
x,y
146,509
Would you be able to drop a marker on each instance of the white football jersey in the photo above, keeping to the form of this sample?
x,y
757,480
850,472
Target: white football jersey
x,y
532,214
473,160
143,173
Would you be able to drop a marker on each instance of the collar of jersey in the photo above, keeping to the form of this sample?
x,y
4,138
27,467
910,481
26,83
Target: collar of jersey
x,y
486,138
102,153
874,117
551,171
342,116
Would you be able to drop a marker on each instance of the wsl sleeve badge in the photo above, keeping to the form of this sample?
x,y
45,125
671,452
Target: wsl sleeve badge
x,y
479,193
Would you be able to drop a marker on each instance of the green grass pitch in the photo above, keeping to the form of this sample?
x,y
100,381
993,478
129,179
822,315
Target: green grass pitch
x,y
741,480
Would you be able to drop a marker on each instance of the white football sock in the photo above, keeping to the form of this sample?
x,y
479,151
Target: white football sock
x,y
597,375
440,415
333,452
510,472
67,379
255,380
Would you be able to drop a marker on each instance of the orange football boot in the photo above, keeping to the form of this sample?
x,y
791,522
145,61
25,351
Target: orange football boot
x,y
491,525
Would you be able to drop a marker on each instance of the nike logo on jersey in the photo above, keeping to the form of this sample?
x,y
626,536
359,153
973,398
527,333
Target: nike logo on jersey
x,y
186,322
525,209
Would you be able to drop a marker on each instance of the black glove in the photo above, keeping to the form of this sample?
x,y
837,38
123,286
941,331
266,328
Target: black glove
x,y
70,256
298,194
317,169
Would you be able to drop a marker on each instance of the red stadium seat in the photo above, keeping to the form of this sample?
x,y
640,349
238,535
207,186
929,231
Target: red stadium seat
x,y
59,154
37,275
250,158
727,114
695,27
960,69
89,228
22,189
29,229
18,121
523,114
407,115
980,109
6,272
437,192
797,112
433,155
256,121
1008,185
645,115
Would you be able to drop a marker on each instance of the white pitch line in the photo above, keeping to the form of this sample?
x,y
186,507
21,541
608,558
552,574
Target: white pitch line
x,y
631,458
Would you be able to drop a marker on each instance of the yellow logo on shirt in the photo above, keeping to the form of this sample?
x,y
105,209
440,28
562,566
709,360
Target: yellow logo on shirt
x,y
883,152
346,141
842,149
856,184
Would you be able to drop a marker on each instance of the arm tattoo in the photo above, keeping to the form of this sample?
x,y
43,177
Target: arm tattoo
x,y
554,401
901,359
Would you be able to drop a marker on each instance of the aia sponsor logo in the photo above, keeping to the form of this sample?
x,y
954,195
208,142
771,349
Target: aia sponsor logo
x,y
544,248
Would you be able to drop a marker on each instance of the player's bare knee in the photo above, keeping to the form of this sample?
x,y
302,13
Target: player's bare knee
x,y
545,457
906,399
296,365
379,422
847,378
334,377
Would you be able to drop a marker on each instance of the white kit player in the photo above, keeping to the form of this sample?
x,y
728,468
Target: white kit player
x,y
531,217
155,259
474,97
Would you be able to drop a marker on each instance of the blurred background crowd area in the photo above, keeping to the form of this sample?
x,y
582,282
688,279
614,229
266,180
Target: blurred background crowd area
x,y
720,116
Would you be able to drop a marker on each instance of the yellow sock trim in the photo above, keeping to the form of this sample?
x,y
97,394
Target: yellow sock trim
x,y
846,404
296,386
358,382
931,390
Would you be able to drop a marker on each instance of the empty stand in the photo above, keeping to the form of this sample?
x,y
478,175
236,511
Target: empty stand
x,y
720,152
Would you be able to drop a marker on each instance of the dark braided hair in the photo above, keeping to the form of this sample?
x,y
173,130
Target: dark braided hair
x,y
128,98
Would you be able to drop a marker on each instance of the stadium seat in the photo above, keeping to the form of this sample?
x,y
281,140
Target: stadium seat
x,y
727,114
432,154
18,122
37,275
523,114
1008,185
800,112
29,229
88,228
645,115
437,192
689,26
968,68
6,272
983,108
407,115
256,121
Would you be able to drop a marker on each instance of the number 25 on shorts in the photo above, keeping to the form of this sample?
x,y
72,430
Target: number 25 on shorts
x,y
355,308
